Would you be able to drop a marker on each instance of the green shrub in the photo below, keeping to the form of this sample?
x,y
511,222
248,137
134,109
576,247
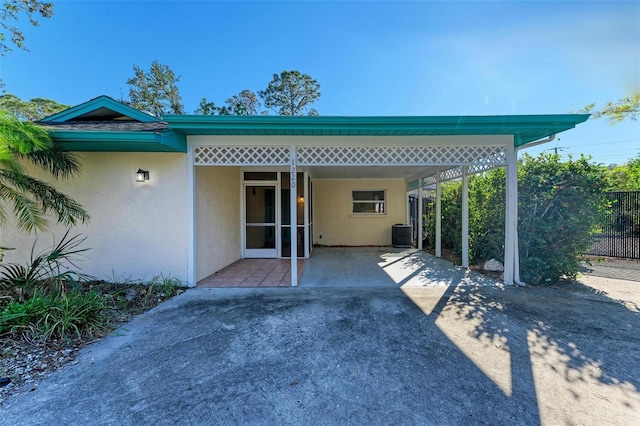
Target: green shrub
x,y
17,315
559,205
72,314
47,273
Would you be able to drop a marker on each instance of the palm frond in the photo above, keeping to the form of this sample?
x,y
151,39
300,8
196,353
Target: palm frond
x,y
44,198
23,136
57,162
27,212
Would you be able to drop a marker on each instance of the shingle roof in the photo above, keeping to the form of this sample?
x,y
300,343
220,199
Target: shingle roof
x,y
109,125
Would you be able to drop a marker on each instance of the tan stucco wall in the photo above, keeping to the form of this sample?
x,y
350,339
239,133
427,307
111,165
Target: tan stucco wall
x,y
137,230
336,224
217,219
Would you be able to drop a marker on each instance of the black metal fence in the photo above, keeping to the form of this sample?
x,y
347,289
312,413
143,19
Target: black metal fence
x,y
619,234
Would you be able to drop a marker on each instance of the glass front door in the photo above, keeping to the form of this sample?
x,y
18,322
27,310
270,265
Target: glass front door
x,y
260,219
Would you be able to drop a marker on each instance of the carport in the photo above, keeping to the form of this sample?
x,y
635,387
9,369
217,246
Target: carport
x,y
421,151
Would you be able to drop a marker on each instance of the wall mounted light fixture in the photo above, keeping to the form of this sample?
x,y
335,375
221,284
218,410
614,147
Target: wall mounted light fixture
x,y
142,175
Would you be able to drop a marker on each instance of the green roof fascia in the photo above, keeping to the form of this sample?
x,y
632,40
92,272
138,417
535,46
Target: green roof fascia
x,y
97,141
524,128
97,103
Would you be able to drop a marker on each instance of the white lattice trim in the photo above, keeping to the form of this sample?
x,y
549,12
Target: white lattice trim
x,y
456,173
399,155
241,155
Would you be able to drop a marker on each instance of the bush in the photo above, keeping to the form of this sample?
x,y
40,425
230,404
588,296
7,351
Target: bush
x,y
66,316
559,203
47,273
16,316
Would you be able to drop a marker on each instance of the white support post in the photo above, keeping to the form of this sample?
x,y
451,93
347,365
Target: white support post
x,y
306,205
293,198
191,218
465,216
511,216
438,216
419,215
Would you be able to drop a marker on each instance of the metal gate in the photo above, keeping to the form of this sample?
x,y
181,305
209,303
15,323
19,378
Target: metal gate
x,y
619,235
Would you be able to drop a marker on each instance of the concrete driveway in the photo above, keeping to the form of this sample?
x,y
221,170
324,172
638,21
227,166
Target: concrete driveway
x,y
456,354
456,351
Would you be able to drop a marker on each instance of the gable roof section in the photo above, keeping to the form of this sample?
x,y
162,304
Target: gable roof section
x,y
104,124
524,128
100,108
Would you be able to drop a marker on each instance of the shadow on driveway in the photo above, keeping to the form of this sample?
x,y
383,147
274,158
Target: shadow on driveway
x,y
456,354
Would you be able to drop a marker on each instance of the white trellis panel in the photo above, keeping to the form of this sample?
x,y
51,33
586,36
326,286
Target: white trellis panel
x,y
241,155
456,173
399,155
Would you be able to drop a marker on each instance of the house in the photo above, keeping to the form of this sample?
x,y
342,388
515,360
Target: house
x,y
188,195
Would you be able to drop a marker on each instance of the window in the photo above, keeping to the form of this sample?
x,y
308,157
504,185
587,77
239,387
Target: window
x,y
368,201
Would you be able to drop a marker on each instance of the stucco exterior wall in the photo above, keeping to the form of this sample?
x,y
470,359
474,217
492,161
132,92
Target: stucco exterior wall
x,y
217,219
137,230
334,223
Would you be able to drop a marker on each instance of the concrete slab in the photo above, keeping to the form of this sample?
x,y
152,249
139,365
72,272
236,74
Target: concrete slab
x,y
459,354
384,267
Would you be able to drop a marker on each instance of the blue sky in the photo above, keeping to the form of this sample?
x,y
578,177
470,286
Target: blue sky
x,y
370,58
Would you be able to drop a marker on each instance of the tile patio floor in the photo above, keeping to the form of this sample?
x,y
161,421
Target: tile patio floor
x,y
254,273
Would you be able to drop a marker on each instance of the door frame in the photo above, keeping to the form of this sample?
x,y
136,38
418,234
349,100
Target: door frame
x,y
271,253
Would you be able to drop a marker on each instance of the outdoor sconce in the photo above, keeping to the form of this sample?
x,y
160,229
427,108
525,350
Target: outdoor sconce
x,y
301,199
142,175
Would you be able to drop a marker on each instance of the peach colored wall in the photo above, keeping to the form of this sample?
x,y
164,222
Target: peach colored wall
x,y
217,219
336,224
137,230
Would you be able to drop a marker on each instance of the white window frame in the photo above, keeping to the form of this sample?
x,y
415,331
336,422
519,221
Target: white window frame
x,y
383,202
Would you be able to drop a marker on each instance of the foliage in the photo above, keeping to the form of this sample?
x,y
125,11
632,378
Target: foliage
x,y
244,103
10,12
559,205
74,314
47,273
138,296
155,91
47,299
625,177
18,315
32,110
31,198
291,93
615,112
206,107
487,200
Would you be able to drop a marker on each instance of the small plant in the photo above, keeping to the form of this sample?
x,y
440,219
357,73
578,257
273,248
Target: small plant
x,y
158,289
75,314
48,272
16,316
69,315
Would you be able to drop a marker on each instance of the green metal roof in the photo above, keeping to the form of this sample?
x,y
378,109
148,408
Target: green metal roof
x,y
104,124
524,128
110,141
